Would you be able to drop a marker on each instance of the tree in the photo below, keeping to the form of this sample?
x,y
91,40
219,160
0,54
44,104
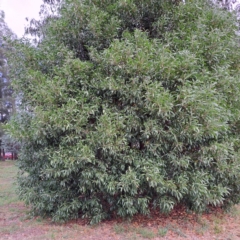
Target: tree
x,y
231,5
7,102
129,105
48,12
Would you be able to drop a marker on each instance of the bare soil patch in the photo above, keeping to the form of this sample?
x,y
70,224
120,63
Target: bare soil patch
x,y
15,224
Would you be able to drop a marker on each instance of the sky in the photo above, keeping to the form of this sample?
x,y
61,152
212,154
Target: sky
x,y
16,12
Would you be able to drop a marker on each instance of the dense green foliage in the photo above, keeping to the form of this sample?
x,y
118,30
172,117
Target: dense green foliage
x,y
128,105
7,102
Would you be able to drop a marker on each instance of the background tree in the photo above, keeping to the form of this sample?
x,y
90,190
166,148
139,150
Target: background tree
x,y
128,105
232,5
7,101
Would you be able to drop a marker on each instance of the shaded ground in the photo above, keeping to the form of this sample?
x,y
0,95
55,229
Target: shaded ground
x,y
14,224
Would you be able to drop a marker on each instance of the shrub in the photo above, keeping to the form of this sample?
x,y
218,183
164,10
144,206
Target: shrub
x,y
128,104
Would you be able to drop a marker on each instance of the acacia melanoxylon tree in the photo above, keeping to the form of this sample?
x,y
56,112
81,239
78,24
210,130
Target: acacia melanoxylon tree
x,y
128,105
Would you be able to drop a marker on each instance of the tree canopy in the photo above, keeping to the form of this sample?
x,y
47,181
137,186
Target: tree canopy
x,y
128,105
7,102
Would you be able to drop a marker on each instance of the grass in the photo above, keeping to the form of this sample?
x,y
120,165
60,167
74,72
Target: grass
x,y
162,232
9,229
217,229
203,226
201,230
176,230
146,233
119,228
7,187
234,212
8,197
133,232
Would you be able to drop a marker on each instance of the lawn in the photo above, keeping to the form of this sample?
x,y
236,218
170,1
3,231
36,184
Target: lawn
x,y
15,223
